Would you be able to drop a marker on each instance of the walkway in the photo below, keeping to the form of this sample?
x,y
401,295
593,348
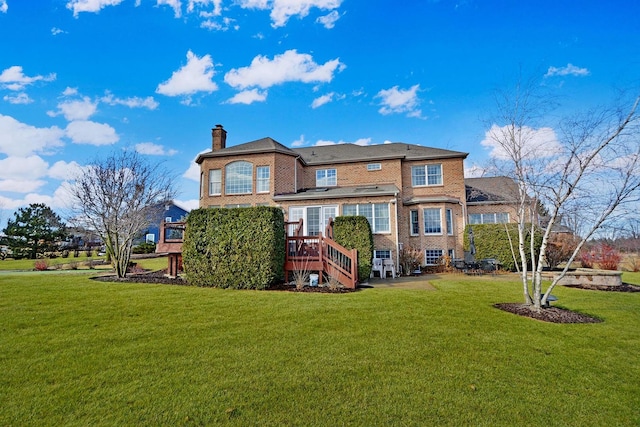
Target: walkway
x,y
411,282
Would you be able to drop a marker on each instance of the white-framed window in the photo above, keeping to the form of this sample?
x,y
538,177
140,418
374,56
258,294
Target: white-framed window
x,y
376,213
414,223
426,175
238,205
432,220
374,166
168,219
451,253
263,179
238,178
326,178
314,218
150,238
449,219
432,256
489,218
382,253
215,182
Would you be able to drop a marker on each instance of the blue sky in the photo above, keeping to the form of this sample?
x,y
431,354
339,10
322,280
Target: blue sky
x,y
81,78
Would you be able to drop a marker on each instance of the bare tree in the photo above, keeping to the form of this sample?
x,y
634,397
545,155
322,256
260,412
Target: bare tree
x,y
118,197
588,170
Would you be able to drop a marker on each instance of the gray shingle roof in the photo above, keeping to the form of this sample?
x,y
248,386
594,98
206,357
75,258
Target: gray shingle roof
x,y
264,145
498,189
339,192
339,153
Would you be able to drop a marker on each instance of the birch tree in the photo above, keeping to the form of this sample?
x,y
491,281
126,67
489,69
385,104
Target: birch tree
x,y
118,197
586,167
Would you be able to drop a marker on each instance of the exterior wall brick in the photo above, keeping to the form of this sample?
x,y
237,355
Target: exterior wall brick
x,y
289,175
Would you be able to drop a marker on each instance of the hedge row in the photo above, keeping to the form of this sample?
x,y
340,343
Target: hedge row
x,y
492,241
354,232
241,248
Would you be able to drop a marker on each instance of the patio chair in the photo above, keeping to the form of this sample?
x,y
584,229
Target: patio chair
x,y
377,266
388,265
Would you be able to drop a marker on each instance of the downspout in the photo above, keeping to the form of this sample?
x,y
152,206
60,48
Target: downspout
x,y
395,202
464,222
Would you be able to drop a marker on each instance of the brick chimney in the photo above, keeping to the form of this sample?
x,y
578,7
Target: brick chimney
x,y
218,138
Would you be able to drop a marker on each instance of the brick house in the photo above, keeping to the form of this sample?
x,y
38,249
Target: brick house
x,y
413,196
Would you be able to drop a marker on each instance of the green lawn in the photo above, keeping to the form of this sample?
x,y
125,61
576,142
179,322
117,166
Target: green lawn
x,y
79,352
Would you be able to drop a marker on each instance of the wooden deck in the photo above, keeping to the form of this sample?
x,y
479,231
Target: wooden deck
x,y
319,253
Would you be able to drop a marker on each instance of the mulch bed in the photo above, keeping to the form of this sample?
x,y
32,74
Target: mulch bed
x,y
625,287
549,314
159,277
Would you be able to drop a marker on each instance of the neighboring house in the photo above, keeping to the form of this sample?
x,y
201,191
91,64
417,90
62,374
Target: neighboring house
x,y
413,196
167,212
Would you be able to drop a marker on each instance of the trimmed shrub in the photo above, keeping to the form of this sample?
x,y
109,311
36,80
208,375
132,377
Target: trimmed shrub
x,y
354,232
492,241
41,265
241,248
144,248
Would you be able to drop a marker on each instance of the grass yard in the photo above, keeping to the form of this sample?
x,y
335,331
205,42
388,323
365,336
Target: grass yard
x,y
77,352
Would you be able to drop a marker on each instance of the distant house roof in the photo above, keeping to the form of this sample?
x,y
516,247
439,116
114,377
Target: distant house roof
x,y
339,192
498,189
339,153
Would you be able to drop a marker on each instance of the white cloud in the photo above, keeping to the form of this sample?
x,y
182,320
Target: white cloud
x,y
193,171
300,142
329,21
188,204
23,168
76,109
282,10
361,141
92,133
20,186
217,26
4,6
398,101
95,6
70,91
569,70
536,143
131,102
20,98
321,100
176,5
290,66
20,139
64,171
149,148
56,31
196,76
13,78
194,4
249,97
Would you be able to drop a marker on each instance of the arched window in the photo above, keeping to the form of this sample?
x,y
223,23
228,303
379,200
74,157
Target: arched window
x,y
238,178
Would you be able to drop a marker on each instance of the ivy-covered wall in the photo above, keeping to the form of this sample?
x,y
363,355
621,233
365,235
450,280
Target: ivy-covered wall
x,y
354,232
241,248
492,241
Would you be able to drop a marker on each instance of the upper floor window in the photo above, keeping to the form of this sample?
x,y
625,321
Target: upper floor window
x,y
326,178
376,213
263,179
238,178
374,166
426,175
215,182
489,218
432,221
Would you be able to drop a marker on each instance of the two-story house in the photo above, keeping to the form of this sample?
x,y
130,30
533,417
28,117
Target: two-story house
x,y
413,196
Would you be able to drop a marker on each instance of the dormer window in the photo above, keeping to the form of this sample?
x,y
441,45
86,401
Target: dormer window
x,y
326,178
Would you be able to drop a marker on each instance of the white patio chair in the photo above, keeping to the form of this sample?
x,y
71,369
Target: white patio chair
x,y
377,266
388,265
